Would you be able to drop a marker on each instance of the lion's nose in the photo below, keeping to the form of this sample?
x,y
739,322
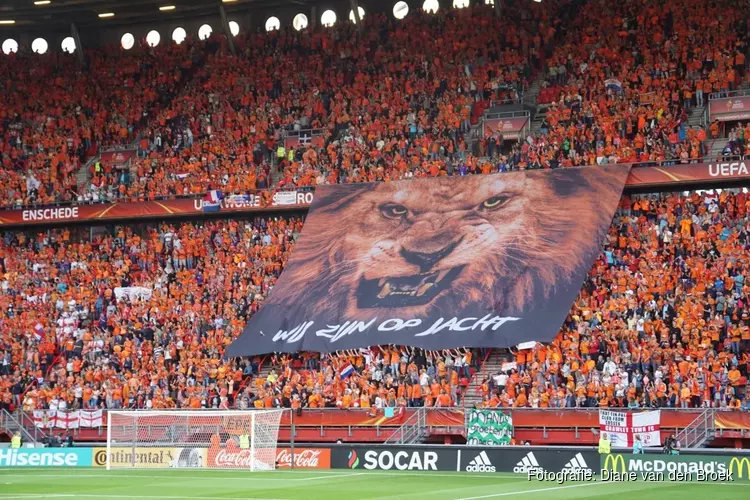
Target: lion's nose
x,y
427,260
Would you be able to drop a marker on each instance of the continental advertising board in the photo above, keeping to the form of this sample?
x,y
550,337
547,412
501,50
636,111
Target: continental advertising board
x,y
150,458
220,458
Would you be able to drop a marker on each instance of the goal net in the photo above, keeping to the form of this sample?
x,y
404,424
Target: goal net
x,y
191,439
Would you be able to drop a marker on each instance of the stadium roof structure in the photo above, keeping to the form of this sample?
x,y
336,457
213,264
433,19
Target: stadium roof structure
x,y
94,13
42,25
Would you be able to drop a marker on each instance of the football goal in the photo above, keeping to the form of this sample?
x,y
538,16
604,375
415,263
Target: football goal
x,y
192,439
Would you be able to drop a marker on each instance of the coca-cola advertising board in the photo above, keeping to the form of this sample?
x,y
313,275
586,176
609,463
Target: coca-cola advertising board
x,y
304,458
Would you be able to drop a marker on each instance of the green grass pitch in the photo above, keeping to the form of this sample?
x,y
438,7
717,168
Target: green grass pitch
x,y
88,484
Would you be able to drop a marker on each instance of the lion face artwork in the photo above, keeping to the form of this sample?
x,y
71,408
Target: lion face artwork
x,y
508,245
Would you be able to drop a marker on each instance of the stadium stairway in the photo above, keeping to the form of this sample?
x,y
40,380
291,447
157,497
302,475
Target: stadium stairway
x,y
530,94
473,394
11,424
717,147
696,117
700,431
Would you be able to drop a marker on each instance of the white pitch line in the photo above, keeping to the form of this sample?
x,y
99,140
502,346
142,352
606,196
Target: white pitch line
x,y
136,476
81,495
537,490
257,475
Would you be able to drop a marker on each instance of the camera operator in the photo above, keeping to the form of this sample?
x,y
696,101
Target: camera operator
x,y
671,446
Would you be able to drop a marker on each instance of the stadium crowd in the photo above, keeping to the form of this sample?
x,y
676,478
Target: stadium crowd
x,y
140,318
621,86
55,113
385,102
139,315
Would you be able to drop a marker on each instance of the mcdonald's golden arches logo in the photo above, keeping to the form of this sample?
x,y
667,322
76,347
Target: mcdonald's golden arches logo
x,y
742,464
612,461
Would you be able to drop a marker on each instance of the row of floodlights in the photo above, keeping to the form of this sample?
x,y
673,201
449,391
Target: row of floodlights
x,y
300,22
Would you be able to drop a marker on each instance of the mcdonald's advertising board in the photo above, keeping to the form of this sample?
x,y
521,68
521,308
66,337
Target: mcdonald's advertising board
x,y
626,467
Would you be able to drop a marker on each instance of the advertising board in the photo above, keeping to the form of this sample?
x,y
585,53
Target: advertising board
x,y
45,457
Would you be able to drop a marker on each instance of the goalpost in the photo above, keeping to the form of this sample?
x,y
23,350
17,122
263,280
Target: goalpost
x,y
192,439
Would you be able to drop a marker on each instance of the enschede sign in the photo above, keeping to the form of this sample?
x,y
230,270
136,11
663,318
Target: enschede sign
x,y
45,457
253,202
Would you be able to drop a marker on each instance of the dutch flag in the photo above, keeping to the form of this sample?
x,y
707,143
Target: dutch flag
x,y
212,201
347,370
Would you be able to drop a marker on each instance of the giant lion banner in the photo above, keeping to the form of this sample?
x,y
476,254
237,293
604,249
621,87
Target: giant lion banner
x,y
477,261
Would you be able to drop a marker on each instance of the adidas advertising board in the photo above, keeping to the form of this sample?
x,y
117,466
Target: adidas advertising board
x,y
528,465
481,463
531,462
527,461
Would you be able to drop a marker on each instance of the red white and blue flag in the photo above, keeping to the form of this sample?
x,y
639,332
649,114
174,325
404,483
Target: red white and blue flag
x,y
212,201
347,370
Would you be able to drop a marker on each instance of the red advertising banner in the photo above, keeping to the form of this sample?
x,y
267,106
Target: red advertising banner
x,y
732,420
229,456
729,109
118,158
304,458
688,173
510,128
285,200
640,177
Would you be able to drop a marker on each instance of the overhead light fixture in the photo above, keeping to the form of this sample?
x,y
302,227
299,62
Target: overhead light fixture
x,y
42,2
228,1
107,14
164,8
7,21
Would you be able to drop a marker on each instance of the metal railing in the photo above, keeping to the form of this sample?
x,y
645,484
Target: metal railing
x,y
308,132
522,132
506,102
12,426
726,95
414,430
699,431
500,115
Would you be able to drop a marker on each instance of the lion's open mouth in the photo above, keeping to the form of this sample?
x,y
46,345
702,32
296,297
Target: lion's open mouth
x,y
404,291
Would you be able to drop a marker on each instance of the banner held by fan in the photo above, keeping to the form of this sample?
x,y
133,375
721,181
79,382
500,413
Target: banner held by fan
x,y
623,427
439,263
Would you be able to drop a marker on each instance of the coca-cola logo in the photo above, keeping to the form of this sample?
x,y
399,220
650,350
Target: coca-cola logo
x,y
304,458
239,459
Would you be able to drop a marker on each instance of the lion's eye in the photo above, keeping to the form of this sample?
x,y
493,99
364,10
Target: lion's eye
x,y
494,202
393,210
